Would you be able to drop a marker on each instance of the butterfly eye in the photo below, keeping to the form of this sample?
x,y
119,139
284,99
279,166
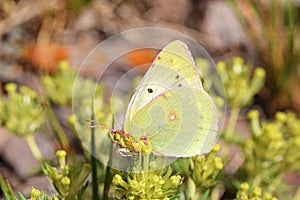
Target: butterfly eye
x,y
149,90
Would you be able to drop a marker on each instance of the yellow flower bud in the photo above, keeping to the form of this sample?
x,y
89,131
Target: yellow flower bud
x,y
253,114
133,184
61,154
281,117
117,137
267,196
256,192
218,163
146,149
72,119
259,72
238,61
65,181
221,67
64,66
243,196
244,186
200,159
35,193
117,179
155,179
237,65
216,148
10,88
175,180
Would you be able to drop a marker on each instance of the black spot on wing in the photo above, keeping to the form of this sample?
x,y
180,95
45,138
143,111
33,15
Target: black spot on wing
x,y
149,90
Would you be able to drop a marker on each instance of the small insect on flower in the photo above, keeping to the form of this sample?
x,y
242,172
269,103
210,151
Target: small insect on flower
x,y
124,141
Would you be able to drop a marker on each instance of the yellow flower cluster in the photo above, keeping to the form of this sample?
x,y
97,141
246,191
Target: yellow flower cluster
x,y
155,185
60,83
36,194
66,180
204,173
239,83
21,113
270,150
255,193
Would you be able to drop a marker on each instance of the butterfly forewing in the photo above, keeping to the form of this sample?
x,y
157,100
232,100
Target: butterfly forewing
x,y
173,68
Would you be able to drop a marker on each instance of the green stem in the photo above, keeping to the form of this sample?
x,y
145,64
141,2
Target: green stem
x,y
93,161
297,194
33,147
145,171
60,133
108,176
229,133
232,123
257,180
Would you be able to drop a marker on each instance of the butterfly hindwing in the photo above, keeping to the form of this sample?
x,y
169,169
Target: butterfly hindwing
x,y
177,124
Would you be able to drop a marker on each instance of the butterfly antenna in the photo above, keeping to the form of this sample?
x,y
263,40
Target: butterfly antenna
x,y
100,125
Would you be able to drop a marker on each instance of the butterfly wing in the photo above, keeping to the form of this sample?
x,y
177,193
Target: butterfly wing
x,y
179,123
171,108
173,67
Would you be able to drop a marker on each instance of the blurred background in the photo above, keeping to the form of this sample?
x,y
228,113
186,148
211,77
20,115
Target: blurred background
x,y
36,35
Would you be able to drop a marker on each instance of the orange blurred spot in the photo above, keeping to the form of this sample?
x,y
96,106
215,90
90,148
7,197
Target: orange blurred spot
x,y
142,58
45,57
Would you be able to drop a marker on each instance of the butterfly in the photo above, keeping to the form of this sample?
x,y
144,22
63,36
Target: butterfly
x,y
170,110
